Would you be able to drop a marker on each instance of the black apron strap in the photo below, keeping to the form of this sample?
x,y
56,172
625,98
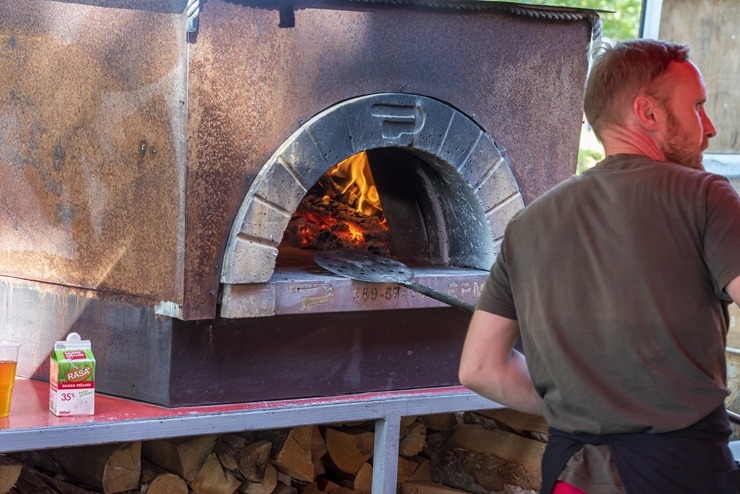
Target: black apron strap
x,y
695,460
561,446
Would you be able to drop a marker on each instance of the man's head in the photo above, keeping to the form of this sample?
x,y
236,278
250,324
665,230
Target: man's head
x,y
649,89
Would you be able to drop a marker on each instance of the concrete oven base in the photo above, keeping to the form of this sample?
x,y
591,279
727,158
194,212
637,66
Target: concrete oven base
x,y
173,363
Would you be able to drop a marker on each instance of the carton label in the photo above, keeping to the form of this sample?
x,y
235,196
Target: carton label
x,y
72,382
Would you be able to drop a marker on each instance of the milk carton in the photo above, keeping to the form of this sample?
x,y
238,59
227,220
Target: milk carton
x,y
72,377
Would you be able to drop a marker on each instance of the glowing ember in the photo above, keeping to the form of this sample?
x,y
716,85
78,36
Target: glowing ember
x,y
342,211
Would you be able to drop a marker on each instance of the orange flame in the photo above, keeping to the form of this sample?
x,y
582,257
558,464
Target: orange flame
x,y
354,181
342,210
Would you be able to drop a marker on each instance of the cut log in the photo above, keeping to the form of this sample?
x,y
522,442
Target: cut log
x,y
406,469
268,484
312,488
246,461
363,483
34,482
524,424
423,472
327,485
10,471
227,449
156,480
413,469
182,456
213,479
478,460
253,460
413,440
293,456
349,449
109,467
291,450
428,488
284,489
39,460
318,450
439,422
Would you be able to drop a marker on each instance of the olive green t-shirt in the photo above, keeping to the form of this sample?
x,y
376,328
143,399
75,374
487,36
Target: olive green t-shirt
x,y
617,279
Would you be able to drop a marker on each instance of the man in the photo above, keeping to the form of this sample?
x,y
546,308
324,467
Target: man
x,y
618,283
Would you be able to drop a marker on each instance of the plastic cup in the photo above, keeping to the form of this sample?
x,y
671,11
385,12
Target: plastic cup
x,y
8,362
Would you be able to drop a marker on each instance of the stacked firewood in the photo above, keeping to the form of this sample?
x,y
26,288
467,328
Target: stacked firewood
x,y
496,451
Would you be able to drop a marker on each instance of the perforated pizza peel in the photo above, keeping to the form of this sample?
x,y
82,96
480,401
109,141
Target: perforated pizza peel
x,y
373,268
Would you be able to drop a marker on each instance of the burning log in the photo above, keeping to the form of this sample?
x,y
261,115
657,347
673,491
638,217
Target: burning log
x,y
326,224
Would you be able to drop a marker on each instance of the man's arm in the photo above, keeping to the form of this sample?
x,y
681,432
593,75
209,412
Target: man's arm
x,y
733,289
491,366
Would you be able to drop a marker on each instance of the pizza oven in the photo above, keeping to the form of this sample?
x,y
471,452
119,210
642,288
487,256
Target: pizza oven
x,y
170,168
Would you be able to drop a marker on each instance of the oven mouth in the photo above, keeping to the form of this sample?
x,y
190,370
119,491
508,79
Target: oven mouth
x,y
447,192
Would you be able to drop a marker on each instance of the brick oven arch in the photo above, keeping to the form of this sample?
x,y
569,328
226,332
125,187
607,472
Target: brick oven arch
x,y
430,129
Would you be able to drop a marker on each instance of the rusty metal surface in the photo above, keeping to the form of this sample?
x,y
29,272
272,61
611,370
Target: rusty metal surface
x,y
171,6
92,147
116,177
131,344
252,84
177,363
304,291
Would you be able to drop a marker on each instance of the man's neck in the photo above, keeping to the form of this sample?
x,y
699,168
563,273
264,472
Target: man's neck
x,y
625,141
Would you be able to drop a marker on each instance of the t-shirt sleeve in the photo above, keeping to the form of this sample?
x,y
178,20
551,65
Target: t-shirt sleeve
x,y
496,296
722,233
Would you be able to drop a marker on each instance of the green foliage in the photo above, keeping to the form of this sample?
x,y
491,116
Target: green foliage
x,y
590,151
622,23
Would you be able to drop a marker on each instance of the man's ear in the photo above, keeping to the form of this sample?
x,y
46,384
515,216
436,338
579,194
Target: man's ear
x,y
647,112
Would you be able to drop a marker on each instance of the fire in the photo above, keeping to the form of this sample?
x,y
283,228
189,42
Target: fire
x,y
354,181
342,211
